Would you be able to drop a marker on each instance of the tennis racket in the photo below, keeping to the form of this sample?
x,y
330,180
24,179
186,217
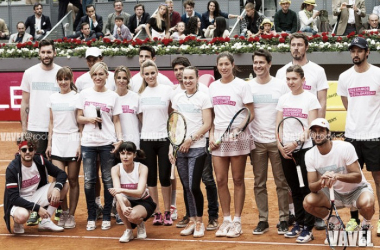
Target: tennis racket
x,y
335,225
298,128
236,126
177,128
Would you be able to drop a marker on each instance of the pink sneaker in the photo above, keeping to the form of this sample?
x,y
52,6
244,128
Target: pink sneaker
x,y
157,219
168,219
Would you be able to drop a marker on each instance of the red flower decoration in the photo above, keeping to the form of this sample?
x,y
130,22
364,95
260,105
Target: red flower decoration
x,y
236,36
333,35
325,38
281,40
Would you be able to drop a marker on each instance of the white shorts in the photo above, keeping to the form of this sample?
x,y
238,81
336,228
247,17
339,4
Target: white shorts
x,y
40,197
65,145
348,200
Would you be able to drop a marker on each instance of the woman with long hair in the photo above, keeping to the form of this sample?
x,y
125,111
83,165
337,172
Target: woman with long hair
x,y
133,202
64,140
220,29
213,11
99,110
308,17
154,112
193,27
195,106
160,23
303,105
228,95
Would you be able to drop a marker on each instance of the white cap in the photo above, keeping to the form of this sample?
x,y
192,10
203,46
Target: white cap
x,y
93,51
320,122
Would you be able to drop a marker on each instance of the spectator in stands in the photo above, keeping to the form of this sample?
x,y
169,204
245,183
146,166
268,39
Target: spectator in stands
x,y
256,3
138,20
120,31
4,32
250,24
349,16
62,10
193,27
266,27
213,11
285,20
21,36
85,34
95,21
372,24
219,29
30,2
376,10
179,32
39,24
189,9
110,25
175,17
308,17
159,23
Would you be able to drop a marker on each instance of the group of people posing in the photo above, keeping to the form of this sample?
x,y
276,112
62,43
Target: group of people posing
x,y
118,122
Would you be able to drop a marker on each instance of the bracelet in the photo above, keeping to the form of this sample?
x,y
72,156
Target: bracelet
x,y
57,189
192,139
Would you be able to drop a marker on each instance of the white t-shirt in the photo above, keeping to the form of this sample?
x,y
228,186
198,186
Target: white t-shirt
x,y
85,81
227,99
315,77
363,94
341,155
265,99
137,80
177,89
108,102
128,117
40,84
297,106
63,107
30,180
154,104
192,108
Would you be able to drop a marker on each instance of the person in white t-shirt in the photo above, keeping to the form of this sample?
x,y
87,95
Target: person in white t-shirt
x,y
154,109
266,91
133,201
195,106
316,80
334,164
99,110
228,96
304,106
147,53
64,143
359,88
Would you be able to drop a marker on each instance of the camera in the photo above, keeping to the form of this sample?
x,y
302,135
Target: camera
x,y
262,27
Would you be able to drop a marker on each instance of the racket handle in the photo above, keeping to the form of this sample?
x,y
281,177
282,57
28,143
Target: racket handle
x,y
332,195
217,142
300,179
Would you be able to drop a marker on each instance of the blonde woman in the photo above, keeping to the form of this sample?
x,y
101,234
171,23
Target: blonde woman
x,y
160,23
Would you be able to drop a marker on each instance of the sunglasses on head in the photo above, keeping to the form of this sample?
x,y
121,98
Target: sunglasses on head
x,y
30,149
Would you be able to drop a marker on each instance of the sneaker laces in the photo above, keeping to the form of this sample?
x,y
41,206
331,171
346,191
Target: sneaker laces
x,y
198,226
157,217
224,225
141,228
189,225
295,228
167,216
304,232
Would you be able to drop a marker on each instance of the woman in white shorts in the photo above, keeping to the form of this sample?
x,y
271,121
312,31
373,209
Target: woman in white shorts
x,y
228,96
64,142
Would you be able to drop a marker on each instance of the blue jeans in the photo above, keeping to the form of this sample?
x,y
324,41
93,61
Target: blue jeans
x,y
308,29
107,161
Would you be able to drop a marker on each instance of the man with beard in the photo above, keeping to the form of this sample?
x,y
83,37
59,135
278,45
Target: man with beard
x,y
359,88
39,24
38,83
28,189
21,36
335,164
316,80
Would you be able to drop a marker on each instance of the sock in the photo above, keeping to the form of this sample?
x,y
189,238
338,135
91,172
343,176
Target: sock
x,y
98,201
174,196
51,210
291,208
237,219
227,218
366,222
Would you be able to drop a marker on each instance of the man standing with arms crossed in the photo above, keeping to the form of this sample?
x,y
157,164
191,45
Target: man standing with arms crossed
x,y
359,88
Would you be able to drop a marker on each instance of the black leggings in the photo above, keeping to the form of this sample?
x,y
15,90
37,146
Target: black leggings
x,y
154,149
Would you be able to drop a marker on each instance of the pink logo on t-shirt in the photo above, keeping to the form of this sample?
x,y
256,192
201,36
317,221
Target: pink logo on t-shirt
x,y
305,86
361,91
223,100
293,112
102,106
126,109
30,182
129,186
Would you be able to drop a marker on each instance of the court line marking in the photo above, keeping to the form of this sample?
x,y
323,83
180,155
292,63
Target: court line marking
x,y
171,240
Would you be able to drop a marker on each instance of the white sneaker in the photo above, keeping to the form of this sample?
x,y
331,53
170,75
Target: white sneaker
x,y
18,228
90,225
63,218
48,225
173,212
223,229
70,222
141,231
127,236
199,230
106,224
189,229
235,230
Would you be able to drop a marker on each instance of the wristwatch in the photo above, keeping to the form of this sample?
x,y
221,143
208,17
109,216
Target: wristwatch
x,y
192,139
298,142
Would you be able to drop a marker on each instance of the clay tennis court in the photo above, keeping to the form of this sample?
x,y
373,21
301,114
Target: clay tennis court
x,y
159,237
